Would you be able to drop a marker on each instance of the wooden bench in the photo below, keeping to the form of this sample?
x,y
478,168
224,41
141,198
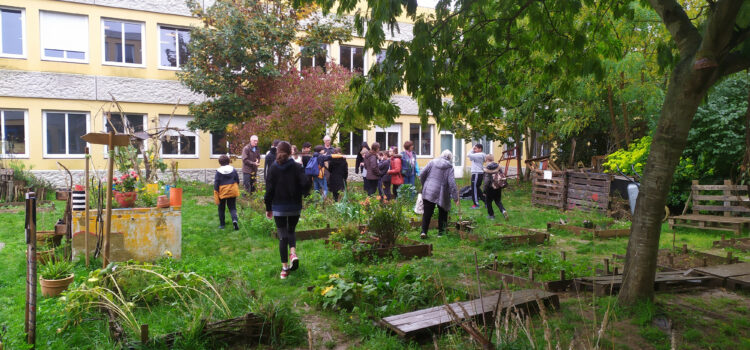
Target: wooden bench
x,y
731,200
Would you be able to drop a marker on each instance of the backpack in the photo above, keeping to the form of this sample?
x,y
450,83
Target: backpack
x,y
498,181
406,169
312,168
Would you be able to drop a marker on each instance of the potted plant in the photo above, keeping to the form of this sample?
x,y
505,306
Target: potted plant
x,y
56,277
124,187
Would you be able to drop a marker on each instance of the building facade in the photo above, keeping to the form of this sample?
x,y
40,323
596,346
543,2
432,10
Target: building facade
x,y
63,63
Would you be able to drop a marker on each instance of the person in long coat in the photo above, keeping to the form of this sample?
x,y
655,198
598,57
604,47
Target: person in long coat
x,y
438,188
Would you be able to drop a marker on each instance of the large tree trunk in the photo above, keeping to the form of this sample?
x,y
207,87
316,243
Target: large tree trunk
x,y
703,63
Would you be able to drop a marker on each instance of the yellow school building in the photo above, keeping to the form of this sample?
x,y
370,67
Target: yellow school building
x,y
63,62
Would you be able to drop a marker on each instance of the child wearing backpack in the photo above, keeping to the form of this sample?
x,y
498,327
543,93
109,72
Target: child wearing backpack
x,y
316,168
494,182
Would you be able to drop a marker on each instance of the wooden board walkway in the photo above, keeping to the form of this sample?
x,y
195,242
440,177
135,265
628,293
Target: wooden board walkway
x,y
437,318
606,285
735,276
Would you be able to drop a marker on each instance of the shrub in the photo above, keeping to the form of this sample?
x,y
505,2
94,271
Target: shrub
x,y
388,222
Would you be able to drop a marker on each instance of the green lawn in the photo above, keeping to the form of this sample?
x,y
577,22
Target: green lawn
x,y
244,265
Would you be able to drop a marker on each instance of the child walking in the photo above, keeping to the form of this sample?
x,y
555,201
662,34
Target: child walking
x,y
494,182
286,185
226,190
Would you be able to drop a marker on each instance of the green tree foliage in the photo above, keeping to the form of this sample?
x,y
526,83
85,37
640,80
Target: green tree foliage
x,y
716,143
243,48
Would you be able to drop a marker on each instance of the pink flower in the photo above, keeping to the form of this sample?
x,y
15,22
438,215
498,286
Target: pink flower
x,y
124,176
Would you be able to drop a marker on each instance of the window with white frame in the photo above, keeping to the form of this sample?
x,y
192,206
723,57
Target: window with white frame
x,y
219,143
173,46
123,41
318,60
63,131
134,123
13,132
64,36
388,137
12,32
352,58
422,138
350,142
448,141
178,140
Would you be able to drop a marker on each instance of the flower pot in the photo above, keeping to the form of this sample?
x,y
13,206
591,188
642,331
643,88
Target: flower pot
x,y
162,202
45,256
53,288
175,197
125,199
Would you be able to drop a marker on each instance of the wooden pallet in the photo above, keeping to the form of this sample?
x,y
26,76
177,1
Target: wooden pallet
x,y
610,285
437,319
588,191
549,192
734,276
728,207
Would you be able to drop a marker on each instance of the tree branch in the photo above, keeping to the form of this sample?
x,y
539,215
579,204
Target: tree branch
x,y
678,23
719,29
733,63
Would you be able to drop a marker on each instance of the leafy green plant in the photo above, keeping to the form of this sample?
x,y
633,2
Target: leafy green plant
x,y
56,270
145,199
347,233
388,222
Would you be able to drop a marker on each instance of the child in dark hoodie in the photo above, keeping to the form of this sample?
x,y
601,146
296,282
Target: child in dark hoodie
x,y
286,185
384,185
226,190
494,181
339,169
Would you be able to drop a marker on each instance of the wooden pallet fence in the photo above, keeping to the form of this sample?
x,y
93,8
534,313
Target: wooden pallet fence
x,y
588,191
551,191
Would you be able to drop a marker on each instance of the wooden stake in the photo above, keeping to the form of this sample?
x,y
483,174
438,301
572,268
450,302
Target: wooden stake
x,y
606,265
86,208
31,268
110,171
144,334
729,257
562,275
684,249
562,255
479,286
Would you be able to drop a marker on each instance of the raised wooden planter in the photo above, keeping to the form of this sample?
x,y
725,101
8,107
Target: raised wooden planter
x,y
684,259
413,249
588,191
742,244
594,232
531,236
551,286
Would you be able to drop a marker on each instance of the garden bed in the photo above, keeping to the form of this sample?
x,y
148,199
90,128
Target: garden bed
x,y
407,249
17,207
742,244
685,259
594,232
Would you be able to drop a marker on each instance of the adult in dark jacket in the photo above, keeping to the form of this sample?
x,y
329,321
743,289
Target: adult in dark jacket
x,y
226,190
359,163
285,187
438,188
306,150
250,163
270,158
339,169
371,167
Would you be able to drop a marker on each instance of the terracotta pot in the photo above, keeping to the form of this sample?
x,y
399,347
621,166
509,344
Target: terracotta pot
x,y
44,256
162,202
175,197
125,199
53,288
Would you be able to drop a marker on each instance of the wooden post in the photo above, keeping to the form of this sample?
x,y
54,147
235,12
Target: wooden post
x,y
86,208
562,255
729,257
616,271
606,265
144,334
562,275
110,171
727,193
684,249
31,268
531,274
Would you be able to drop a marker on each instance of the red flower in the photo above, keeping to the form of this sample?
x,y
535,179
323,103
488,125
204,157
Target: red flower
x,y
595,197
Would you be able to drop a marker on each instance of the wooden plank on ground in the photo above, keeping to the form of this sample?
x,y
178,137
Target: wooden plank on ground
x,y
725,271
437,318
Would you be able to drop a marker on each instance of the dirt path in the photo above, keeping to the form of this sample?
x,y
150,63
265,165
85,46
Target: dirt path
x,y
322,334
